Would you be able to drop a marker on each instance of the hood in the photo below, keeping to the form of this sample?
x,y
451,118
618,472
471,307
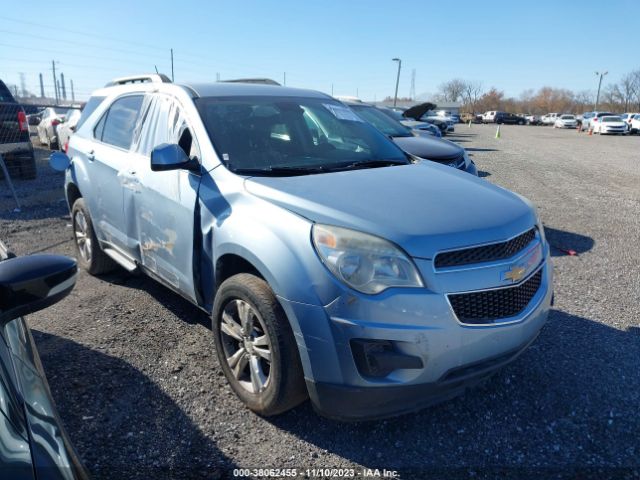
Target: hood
x,y
431,148
423,207
417,111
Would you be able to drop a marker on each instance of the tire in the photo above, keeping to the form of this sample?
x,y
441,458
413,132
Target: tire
x,y
520,122
268,387
90,255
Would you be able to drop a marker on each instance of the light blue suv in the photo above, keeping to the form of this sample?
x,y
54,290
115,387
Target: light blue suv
x,y
334,265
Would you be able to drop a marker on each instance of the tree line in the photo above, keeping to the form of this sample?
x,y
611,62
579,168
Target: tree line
x,y
620,97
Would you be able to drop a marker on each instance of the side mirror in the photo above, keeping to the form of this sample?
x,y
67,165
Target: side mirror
x,y
59,161
171,157
72,128
29,284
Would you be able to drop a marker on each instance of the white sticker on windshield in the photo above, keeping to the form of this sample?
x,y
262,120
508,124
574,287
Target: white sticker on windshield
x,y
342,112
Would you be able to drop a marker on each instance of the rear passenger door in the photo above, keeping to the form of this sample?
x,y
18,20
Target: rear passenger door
x,y
109,158
161,215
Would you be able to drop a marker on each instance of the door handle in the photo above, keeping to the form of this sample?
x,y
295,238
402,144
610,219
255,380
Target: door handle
x,y
91,156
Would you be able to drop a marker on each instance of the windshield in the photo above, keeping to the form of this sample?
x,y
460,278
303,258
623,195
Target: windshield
x,y
60,110
273,133
567,117
382,122
392,113
611,119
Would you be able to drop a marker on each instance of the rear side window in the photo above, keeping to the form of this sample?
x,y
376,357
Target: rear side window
x,y
5,94
89,108
120,121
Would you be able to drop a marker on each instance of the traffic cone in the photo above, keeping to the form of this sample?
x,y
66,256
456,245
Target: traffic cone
x,y
498,132
469,123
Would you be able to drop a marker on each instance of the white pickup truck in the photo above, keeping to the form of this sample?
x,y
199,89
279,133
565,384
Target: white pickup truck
x,y
549,118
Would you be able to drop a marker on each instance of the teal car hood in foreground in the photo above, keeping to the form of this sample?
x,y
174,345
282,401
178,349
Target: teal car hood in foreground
x,y
421,207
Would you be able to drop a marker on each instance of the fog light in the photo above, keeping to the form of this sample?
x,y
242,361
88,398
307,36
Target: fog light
x,y
378,358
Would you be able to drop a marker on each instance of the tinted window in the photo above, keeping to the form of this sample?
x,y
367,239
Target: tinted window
x,y
5,94
121,121
97,132
383,123
89,108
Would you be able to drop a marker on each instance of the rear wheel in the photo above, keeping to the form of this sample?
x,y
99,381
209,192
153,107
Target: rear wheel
x,y
255,346
90,255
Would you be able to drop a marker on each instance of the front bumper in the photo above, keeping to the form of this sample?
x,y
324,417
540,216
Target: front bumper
x,y
420,324
352,403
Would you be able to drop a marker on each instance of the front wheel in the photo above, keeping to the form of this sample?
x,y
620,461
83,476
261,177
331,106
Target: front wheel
x,y
255,346
90,255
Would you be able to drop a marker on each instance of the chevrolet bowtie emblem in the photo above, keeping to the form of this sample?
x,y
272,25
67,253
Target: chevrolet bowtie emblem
x,y
515,274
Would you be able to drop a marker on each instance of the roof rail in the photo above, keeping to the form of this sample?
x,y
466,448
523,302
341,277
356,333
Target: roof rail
x,y
263,81
148,78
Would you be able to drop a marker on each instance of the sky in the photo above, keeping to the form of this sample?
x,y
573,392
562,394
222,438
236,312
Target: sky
x,y
345,46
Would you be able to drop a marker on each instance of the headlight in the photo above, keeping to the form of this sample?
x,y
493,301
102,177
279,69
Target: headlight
x,y
364,262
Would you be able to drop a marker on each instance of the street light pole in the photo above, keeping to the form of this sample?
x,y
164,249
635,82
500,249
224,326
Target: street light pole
x,y
395,97
602,74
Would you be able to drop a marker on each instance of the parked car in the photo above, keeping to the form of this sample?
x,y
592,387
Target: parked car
x,y
424,113
610,124
48,126
15,143
333,264
66,128
594,119
532,119
566,121
549,118
422,128
634,126
508,118
434,149
33,441
489,117
627,117
34,120
447,115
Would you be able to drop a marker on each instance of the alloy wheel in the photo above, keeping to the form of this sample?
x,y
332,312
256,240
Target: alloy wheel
x,y
246,344
83,236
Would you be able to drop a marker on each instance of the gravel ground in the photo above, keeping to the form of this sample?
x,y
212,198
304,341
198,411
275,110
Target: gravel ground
x,y
133,371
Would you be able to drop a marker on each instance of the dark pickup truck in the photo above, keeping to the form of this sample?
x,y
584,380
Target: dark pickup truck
x,y
15,144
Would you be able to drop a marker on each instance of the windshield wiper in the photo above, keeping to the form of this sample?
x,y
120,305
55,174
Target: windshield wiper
x,y
280,171
369,164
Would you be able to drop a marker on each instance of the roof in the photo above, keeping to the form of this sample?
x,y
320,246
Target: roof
x,y
222,89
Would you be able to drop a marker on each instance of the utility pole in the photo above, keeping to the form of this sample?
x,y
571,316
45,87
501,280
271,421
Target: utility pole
x,y
172,65
602,74
41,87
357,92
64,87
217,76
332,89
57,92
23,86
285,79
395,97
55,80
412,92
73,97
